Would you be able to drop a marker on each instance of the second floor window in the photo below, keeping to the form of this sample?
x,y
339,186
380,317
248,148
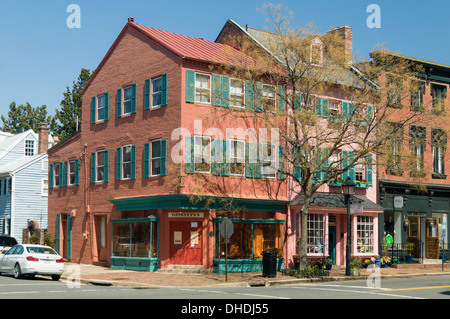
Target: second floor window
x,y
237,157
439,94
101,107
127,96
202,88
202,154
439,147
417,136
156,92
237,93
29,147
269,160
126,162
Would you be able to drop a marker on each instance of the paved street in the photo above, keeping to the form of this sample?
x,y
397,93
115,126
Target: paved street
x,y
435,287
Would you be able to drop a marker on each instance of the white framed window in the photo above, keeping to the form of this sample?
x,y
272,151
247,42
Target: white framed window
x,y
100,166
127,95
126,162
72,173
237,93
202,88
315,234
157,92
364,234
202,154
335,108
29,147
56,174
156,157
44,187
237,157
100,112
45,164
360,171
268,97
269,157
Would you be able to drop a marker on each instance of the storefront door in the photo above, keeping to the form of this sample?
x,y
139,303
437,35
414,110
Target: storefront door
x,y
432,238
332,243
414,235
185,243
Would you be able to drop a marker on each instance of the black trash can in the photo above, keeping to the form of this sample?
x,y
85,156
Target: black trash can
x,y
270,263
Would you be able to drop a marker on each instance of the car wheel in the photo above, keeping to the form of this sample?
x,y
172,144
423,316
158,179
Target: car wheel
x,y
17,271
56,277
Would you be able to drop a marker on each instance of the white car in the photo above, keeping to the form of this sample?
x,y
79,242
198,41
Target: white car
x,y
32,260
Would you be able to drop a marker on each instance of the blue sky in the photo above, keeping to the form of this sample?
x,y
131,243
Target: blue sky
x,y
40,55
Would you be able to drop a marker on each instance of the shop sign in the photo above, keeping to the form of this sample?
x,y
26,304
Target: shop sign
x,y
398,202
356,208
186,214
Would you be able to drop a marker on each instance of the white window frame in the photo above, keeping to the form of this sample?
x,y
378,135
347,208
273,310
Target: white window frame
x,y
44,164
124,101
125,163
99,167
272,159
56,167
335,108
201,89
267,99
200,154
235,95
360,168
101,97
236,158
71,173
29,148
44,187
155,158
156,93
365,225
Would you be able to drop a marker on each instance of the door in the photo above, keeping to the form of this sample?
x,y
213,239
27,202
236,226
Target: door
x,y
185,242
332,243
432,238
414,235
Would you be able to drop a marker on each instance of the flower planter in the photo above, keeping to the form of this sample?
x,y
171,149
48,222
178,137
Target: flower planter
x,y
378,263
328,267
409,258
355,271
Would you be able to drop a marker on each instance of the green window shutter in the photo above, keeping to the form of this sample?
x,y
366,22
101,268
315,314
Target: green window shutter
x,y
225,91
345,110
147,160
106,167
106,106
133,162
69,236
216,165
317,106
225,165
369,169
147,94
325,107
93,109
77,172
58,234
133,98
61,174
119,164
251,160
249,95
280,98
369,113
189,155
216,90
258,97
190,86
50,176
346,159
66,168
93,160
297,103
164,89
119,103
163,158
281,159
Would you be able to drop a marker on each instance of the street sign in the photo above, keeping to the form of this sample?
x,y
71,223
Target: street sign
x,y
226,229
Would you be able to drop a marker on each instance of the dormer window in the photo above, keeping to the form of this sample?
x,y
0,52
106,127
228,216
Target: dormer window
x,y
316,52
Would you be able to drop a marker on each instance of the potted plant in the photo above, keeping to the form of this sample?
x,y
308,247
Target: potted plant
x,y
367,263
386,261
355,267
409,248
377,261
328,263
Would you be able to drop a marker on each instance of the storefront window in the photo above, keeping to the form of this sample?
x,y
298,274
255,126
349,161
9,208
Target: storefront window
x,y
364,233
249,240
135,239
315,234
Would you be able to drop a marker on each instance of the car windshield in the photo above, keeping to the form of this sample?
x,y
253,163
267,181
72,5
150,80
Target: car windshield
x,y
41,250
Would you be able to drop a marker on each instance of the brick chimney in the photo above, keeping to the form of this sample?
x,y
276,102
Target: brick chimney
x,y
43,138
344,35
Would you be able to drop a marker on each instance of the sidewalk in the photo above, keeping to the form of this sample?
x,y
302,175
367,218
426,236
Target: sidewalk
x,y
98,275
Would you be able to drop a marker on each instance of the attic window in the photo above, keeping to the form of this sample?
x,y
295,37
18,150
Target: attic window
x,y
316,52
29,147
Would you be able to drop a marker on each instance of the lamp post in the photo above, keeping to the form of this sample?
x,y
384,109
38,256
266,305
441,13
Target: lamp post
x,y
348,187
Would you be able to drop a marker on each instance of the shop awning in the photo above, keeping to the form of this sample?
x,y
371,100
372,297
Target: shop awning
x,y
180,201
334,200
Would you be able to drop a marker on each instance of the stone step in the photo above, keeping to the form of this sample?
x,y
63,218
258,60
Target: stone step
x,y
184,269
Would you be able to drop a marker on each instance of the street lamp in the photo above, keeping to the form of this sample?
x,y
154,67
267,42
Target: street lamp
x,y
348,187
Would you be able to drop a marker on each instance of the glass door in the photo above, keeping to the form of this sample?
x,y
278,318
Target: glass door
x,y
432,238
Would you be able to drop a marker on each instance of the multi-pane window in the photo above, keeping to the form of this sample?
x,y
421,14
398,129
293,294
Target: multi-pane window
x,y
315,233
57,172
269,165
237,157
439,147
44,187
394,147
394,90
156,92
268,97
126,162
417,145
100,166
360,171
72,172
127,96
237,93
202,88
202,154
365,234
335,109
156,157
417,91
101,107
439,94
29,147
